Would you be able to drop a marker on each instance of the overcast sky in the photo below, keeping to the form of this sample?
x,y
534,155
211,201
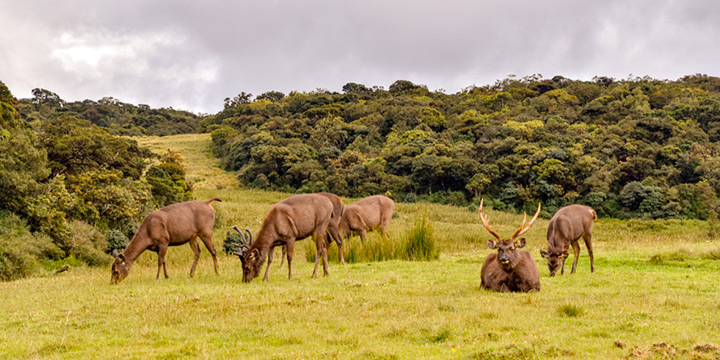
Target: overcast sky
x,y
192,55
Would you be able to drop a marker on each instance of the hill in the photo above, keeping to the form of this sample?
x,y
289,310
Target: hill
x,y
652,295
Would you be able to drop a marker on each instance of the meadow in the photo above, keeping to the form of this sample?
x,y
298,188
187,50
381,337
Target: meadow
x,y
654,294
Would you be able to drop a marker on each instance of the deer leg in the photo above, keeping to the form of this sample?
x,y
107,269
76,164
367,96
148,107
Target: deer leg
x,y
207,240
338,239
271,254
326,245
588,243
562,267
282,257
290,250
162,251
196,249
363,235
318,254
576,252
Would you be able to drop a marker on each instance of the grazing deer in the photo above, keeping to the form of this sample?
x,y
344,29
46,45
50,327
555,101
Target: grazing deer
x,y
367,214
338,209
172,225
565,228
509,269
292,219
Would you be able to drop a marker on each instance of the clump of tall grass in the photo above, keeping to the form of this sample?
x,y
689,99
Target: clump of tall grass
x,y
375,248
713,225
570,310
420,243
417,245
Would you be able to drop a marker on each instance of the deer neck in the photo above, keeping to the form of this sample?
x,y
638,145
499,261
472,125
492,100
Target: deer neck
x,y
133,250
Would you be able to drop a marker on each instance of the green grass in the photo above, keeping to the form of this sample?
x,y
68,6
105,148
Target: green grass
x,y
655,283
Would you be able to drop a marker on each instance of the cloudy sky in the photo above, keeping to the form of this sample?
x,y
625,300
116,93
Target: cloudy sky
x,y
193,54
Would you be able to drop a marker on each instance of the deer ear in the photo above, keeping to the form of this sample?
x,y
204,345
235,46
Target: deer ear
x,y
544,253
565,254
254,254
492,244
121,257
520,243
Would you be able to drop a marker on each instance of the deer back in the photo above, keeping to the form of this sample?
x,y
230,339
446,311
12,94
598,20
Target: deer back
x,y
569,224
373,209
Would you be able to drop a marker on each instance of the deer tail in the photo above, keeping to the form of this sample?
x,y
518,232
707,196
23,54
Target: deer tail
x,y
594,214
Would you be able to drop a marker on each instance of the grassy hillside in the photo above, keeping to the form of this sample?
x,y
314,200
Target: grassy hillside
x,y
654,293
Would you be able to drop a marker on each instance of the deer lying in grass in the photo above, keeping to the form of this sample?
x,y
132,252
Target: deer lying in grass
x,y
367,214
292,219
509,269
565,228
172,225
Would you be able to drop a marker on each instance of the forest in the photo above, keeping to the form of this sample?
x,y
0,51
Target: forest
x,y
71,189
74,185
634,148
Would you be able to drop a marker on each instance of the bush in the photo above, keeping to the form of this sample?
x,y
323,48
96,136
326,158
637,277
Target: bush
x,y
232,242
21,250
89,244
420,243
116,240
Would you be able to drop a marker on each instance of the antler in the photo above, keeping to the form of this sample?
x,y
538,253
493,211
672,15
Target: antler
x,y
250,235
244,243
485,222
524,228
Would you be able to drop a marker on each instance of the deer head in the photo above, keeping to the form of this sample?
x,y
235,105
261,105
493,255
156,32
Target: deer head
x,y
507,255
555,259
250,258
120,268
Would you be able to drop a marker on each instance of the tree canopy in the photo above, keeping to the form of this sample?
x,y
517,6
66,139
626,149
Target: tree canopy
x,y
637,147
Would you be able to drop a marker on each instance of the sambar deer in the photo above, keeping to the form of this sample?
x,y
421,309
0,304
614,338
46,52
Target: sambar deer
x,y
565,228
366,214
509,269
292,219
338,208
172,225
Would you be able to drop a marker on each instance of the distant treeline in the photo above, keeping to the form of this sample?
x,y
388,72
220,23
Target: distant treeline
x,y
71,191
110,114
637,147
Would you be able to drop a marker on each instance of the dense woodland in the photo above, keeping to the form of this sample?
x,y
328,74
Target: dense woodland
x,y
69,189
72,188
629,148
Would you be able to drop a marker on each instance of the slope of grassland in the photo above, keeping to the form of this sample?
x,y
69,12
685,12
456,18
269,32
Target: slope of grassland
x,y
654,294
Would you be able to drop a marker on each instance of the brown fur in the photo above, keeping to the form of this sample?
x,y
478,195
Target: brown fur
x,y
338,208
509,269
172,225
366,215
565,228
292,219
521,275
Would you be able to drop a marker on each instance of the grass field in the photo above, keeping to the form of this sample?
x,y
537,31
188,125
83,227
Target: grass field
x,y
654,294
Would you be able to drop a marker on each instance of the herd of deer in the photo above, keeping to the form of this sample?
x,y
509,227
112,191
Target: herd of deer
x,y
324,217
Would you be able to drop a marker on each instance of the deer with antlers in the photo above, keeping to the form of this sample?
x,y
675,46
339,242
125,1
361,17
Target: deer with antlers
x,y
509,269
295,218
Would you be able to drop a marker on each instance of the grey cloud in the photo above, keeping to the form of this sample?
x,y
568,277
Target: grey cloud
x,y
222,48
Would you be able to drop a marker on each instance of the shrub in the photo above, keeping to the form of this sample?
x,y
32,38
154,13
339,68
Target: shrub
x,y
89,244
116,240
232,241
21,250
